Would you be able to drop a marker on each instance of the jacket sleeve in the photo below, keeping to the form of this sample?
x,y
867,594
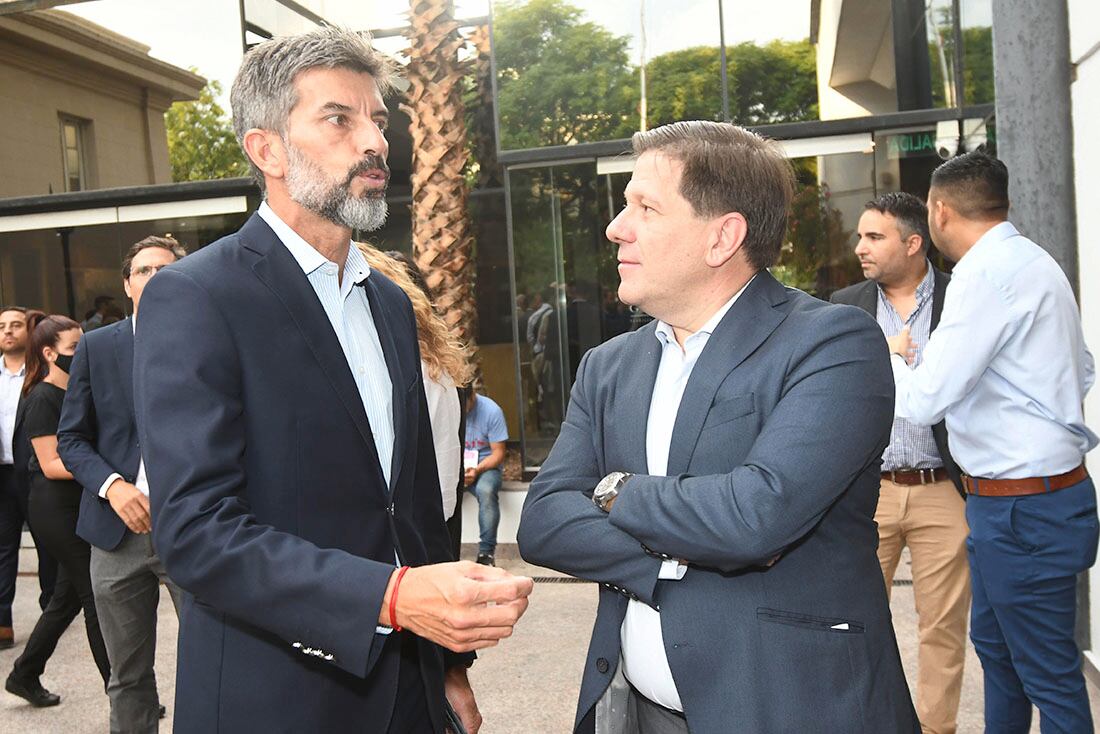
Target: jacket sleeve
x,y
562,529
77,433
189,400
831,422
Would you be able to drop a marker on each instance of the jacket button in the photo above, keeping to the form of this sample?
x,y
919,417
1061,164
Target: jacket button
x,y
601,665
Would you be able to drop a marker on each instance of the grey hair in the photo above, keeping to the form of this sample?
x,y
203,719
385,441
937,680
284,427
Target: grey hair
x,y
263,94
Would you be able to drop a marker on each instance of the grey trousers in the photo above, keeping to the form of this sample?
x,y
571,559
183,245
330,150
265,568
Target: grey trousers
x,y
645,717
126,583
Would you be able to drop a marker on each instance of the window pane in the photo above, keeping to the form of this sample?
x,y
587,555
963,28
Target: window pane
x,y
72,162
70,135
977,33
832,190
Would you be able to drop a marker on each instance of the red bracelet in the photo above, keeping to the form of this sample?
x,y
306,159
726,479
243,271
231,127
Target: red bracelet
x,y
393,599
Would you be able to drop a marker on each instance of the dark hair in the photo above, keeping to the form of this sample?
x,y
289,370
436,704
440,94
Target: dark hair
x,y
167,242
975,184
909,211
415,274
45,331
102,301
727,168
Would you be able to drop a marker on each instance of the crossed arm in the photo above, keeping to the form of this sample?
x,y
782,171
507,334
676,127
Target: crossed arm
x,y
832,420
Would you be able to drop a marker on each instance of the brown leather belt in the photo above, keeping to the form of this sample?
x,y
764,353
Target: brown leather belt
x,y
1021,487
916,476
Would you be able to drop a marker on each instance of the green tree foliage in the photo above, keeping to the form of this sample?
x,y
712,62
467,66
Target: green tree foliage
x,y
561,80
772,83
201,143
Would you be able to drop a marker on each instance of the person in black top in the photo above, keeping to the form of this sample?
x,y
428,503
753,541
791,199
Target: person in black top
x,y
53,508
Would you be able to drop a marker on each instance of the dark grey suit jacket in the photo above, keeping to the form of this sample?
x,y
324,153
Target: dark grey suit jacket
x,y
775,452
865,296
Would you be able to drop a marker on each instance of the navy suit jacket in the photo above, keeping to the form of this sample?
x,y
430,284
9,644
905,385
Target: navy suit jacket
x,y
775,452
865,296
97,436
269,504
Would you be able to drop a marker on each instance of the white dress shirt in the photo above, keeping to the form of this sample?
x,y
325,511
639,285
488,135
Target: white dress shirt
x,y
645,664
348,311
1007,367
445,413
141,481
11,383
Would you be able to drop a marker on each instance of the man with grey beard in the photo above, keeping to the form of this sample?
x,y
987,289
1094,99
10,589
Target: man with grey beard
x,y
283,422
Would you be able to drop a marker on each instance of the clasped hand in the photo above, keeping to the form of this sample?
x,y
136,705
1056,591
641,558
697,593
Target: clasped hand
x,y
462,606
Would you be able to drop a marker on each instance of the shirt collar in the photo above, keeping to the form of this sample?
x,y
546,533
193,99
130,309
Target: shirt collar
x,y
307,257
987,243
21,373
664,331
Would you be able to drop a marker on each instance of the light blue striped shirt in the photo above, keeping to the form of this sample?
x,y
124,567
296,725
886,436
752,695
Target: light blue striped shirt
x,y
348,310
911,446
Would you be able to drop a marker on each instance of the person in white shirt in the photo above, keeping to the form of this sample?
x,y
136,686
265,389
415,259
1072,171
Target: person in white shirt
x,y
1008,370
718,470
13,347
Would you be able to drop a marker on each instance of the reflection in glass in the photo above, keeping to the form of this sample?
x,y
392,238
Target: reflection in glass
x,y
832,190
566,280
977,40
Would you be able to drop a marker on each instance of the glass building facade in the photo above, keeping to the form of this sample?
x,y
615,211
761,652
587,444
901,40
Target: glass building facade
x,y
866,96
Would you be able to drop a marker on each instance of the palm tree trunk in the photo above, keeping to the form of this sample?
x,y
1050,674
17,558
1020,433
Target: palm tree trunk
x,y
441,234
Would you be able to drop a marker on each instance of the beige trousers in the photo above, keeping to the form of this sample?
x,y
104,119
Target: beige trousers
x,y
931,520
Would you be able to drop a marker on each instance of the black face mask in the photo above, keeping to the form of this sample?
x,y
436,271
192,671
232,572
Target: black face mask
x,y
65,362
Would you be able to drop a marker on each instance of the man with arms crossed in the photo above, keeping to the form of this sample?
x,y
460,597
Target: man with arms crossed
x,y
718,470
1008,369
920,502
97,441
282,419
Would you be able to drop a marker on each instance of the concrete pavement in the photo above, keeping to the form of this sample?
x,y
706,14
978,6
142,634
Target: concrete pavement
x,y
528,684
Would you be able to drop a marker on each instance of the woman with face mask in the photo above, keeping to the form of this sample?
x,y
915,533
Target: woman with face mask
x,y
53,508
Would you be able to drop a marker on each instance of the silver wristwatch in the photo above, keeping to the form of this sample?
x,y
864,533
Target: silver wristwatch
x,y
608,489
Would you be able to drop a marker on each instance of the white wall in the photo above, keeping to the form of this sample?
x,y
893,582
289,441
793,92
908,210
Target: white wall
x,y
1084,24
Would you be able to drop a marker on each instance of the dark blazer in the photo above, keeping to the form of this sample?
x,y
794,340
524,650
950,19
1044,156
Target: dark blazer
x,y
865,296
97,436
269,503
775,452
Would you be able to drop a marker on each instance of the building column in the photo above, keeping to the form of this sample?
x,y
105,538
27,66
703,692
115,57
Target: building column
x,y
1032,74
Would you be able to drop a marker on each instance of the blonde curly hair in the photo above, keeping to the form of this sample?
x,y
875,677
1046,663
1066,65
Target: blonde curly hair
x,y
440,349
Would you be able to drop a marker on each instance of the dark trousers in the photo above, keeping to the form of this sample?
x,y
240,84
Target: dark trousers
x,y
13,513
53,508
1025,554
410,709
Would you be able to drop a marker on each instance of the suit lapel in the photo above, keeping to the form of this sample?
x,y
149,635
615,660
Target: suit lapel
x,y
939,291
744,328
124,354
868,298
383,319
636,377
278,270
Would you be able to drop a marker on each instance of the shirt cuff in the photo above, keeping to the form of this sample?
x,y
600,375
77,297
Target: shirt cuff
x,y
107,483
382,630
672,570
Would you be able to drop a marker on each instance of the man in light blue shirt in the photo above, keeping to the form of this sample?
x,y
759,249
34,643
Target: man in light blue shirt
x,y
486,433
1008,369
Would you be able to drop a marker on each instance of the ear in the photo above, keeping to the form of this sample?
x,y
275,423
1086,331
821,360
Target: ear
x,y
266,151
940,213
126,287
914,243
727,234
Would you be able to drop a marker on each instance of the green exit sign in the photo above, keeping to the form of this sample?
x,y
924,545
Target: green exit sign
x,y
911,145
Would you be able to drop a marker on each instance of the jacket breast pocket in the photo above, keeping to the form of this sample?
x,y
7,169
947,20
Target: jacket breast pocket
x,y
730,409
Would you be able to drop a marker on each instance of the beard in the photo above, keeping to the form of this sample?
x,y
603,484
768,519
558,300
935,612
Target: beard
x,y
311,188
